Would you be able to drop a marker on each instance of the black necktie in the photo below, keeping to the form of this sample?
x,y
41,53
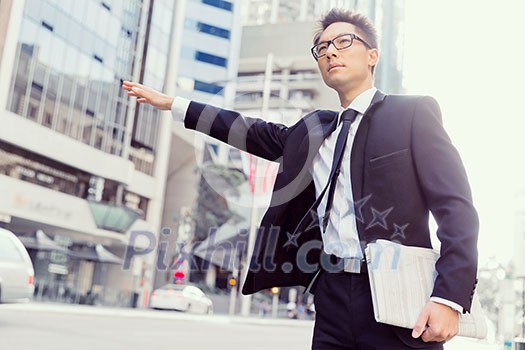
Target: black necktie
x,y
347,119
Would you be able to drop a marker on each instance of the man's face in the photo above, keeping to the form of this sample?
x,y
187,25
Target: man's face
x,y
349,68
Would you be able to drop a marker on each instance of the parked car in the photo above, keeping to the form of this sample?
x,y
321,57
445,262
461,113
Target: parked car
x,y
16,269
181,297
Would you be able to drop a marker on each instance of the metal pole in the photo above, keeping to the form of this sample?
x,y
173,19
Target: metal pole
x,y
523,309
246,299
275,305
233,291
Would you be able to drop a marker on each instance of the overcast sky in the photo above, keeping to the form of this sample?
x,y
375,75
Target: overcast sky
x,y
470,56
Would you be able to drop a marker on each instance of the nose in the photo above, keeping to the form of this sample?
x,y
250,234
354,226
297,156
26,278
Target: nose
x,y
331,50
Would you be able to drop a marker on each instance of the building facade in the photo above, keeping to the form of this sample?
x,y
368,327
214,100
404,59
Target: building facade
x,y
78,158
285,29
205,49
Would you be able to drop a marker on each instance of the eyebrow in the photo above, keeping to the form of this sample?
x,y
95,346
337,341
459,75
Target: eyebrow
x,y
335,36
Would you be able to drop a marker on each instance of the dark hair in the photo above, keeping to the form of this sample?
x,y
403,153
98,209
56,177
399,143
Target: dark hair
x,y
365,28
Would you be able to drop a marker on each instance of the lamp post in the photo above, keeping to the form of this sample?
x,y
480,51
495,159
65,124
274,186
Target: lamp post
x,y
246,299
275,301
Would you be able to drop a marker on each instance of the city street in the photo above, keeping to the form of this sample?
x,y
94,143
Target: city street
x,y
56,326
48,326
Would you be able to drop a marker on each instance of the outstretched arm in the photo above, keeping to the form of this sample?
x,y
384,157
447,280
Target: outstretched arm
x,y
148,95
253,135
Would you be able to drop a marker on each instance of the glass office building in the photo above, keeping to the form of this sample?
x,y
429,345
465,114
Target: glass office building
x,y
79,159
70,59
209,50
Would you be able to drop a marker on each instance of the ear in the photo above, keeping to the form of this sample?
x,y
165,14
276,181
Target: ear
x,y
373,57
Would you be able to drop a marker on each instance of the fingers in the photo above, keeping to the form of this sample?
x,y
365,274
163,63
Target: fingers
x,y
421,324
430,335
437,334
148,95
436,323
129,84
134,89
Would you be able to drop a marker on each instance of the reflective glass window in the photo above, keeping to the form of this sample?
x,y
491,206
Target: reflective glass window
x,y
211,59
44,46
208,88
58,51
224,5
83,65
209,29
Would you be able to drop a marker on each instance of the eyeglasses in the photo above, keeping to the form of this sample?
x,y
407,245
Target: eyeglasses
x,y
340,42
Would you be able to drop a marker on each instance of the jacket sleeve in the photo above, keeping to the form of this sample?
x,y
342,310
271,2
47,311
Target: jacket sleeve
x,y
252,135
447,193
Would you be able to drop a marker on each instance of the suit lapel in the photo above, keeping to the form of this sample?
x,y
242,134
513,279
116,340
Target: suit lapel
x,y
359,145
318,129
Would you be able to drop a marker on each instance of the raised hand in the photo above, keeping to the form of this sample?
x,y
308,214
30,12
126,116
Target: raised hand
x,y
148,95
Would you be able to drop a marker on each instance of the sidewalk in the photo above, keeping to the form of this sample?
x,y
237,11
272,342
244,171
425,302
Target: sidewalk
x,y
151,314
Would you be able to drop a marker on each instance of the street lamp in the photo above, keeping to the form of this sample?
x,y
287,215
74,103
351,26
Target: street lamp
x,y
247,300
275,301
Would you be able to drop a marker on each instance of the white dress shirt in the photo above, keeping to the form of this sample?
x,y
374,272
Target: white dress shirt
x,y
341,237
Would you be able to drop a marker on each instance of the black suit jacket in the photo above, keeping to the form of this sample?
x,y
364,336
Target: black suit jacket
x,y
403,167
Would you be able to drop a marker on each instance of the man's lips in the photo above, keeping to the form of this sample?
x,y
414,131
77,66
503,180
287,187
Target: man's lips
x,y
334,65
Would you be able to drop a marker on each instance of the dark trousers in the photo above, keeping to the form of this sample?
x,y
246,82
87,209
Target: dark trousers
x,y
345,318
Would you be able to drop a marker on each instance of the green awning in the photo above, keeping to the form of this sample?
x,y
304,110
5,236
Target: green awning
x,y
113,217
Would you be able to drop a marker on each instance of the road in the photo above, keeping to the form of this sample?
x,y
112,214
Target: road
x,y
47,326
58,326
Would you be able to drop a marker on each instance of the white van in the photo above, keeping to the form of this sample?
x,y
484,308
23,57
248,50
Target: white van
x,y
16,269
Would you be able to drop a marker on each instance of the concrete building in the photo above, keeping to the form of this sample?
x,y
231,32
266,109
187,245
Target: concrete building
x,y
285,29
78,159
205,52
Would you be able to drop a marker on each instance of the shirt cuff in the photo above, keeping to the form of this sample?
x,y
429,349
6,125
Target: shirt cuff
x,y
179,107
448,303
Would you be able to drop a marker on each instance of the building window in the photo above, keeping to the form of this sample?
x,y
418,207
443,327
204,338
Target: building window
x,y
208,88
211,59
209,29
225,5
32,111
30,167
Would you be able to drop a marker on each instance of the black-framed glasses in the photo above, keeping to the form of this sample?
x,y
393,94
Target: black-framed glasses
x,y
340,42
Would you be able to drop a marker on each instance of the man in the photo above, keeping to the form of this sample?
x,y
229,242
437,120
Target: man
x,y
391,167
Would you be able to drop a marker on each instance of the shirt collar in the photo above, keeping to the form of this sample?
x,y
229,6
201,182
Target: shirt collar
x,y
362,101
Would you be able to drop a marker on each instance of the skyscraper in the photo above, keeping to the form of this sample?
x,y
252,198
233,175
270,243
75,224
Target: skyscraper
x,y
205,50
77,158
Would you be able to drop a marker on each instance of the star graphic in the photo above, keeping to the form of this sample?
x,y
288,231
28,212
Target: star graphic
x,y
358,208
314,222
399,231
379,218
292,240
